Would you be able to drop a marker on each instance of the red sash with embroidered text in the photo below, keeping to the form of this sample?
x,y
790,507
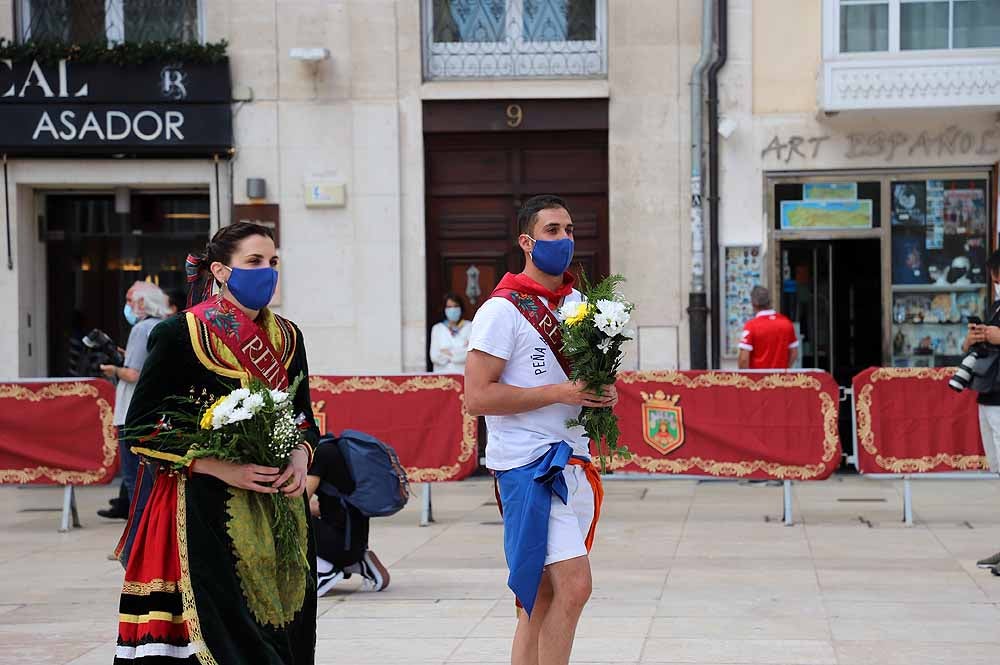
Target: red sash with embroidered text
x,y
248,341
541,318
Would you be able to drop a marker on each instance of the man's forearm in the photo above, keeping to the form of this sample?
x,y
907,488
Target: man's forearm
x,y
499,399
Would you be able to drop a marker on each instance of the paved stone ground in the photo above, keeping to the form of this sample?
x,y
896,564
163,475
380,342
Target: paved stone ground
x,y
685,572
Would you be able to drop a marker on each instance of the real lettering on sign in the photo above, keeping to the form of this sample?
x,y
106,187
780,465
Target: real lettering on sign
x,y
37,81
31,82
145,125
67,108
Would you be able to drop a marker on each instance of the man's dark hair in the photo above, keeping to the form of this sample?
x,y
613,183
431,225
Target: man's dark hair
x,y
528,214
993,263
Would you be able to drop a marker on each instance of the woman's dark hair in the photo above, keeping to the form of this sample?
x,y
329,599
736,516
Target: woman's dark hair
x,y
455,297
220,248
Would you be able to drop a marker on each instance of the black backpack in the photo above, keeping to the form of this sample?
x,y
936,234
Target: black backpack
x,y
380,484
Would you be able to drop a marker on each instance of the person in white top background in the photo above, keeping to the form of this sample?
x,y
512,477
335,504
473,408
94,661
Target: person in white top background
x,y
548,488
450,338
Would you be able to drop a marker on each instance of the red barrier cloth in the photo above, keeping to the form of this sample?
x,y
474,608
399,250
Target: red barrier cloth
x,y
422,417
61,432
780,426
909,421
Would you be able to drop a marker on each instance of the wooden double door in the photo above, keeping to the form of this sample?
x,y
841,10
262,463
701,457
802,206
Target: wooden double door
x,y
477,181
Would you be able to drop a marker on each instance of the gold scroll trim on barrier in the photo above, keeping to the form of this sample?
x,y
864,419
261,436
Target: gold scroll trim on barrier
x,y
866,434
468,444
752,382
109,446
828,408
932,373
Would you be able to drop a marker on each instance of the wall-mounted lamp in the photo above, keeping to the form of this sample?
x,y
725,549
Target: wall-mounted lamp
x,y
310,55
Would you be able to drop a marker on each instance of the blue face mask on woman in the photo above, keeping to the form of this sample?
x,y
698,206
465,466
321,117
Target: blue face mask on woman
x,y
552,256
253,288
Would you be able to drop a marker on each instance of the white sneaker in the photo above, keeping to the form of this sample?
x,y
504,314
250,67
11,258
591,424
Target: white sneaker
x,y
322,565
326,581
376,575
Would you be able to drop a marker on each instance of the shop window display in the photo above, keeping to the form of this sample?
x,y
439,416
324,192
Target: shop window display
x,y
939,278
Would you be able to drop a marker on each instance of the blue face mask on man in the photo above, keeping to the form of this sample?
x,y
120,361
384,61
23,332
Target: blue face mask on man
x,y
552,256
130,314
253,288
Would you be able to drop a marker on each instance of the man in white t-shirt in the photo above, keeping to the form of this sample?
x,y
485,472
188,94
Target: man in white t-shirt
x,y
549,490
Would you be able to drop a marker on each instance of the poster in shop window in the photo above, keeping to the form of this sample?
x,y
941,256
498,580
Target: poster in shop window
x,y
909,203
935,214
826,214
743,271
830,191
965,211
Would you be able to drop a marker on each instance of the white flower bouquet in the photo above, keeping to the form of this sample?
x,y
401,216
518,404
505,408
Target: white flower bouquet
x,y
250,425
593,332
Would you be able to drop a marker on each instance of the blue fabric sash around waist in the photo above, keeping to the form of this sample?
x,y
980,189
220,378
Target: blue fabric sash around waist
x,y
525,499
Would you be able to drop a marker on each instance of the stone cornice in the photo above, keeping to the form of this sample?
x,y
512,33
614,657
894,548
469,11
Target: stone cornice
x,y
854,84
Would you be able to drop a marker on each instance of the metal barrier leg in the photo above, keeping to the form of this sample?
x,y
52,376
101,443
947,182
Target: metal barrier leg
x,y
907,502
788,503
76,515
69,510
427,509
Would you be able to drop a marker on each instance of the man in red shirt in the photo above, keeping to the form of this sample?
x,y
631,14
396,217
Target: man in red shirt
x,y
768,340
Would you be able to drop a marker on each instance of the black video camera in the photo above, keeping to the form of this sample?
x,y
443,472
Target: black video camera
x,y
101,350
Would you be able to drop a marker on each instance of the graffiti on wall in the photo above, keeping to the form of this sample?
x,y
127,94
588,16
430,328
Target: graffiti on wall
x,y
887,145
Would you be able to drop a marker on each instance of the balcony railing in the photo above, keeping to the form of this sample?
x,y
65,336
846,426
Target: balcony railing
x,y
470,39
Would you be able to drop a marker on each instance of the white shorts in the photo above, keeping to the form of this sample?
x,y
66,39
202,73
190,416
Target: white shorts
x,y
570,523
989,427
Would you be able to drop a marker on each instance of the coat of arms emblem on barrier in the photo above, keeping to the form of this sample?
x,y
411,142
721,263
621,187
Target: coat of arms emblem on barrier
x,y
662,421
319,416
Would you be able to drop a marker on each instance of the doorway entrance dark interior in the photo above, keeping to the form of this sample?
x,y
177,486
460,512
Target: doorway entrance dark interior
x,y
95,254
832,291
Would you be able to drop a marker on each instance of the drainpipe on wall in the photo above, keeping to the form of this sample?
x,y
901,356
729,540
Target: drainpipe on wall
x,y
697,302
722,36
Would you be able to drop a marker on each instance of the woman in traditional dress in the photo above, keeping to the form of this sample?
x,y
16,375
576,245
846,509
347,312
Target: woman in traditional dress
x,y
202,580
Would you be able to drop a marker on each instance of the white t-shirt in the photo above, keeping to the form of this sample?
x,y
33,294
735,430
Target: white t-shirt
x,y
448,350
500,330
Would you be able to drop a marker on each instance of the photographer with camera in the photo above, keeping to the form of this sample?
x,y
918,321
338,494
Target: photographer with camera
x,y
982,344
145,306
